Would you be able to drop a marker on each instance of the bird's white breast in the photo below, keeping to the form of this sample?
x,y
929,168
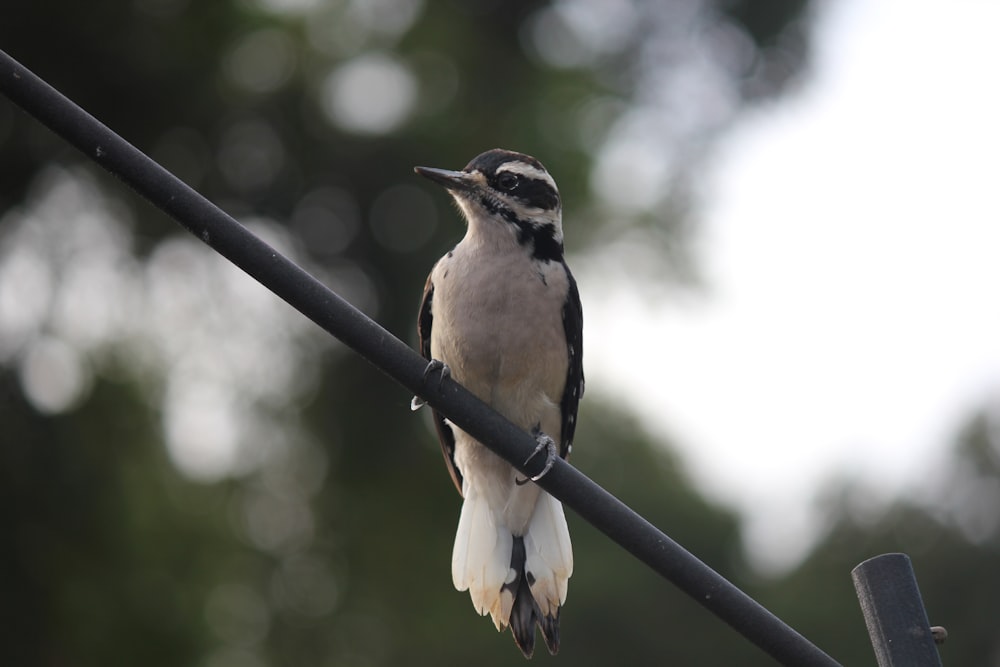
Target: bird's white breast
x,y
498,325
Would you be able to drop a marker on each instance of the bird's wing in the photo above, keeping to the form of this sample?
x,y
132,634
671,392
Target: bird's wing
x,y
573,392
424,324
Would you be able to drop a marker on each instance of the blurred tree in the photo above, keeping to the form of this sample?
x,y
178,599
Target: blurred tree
x,y
190,473
108,555
952,535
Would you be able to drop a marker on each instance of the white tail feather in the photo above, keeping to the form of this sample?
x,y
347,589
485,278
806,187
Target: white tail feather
x,y
481,558
549,554
480,561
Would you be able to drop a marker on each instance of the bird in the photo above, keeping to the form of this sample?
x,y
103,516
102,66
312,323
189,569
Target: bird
x,y
501,314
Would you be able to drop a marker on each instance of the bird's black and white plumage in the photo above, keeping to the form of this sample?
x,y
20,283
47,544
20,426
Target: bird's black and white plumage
x,y
502,312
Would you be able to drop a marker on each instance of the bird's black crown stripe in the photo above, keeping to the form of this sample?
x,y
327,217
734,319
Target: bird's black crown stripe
x,y
490,161
532,191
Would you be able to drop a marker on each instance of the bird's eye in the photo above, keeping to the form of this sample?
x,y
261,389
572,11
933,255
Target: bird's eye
x,y
507,181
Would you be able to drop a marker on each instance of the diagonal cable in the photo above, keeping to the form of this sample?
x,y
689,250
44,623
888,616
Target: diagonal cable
x,y
394,358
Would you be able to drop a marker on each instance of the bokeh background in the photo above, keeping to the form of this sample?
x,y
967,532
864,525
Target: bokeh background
x,y
193,474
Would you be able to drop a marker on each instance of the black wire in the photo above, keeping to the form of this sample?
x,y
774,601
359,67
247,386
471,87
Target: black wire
x,y
393,357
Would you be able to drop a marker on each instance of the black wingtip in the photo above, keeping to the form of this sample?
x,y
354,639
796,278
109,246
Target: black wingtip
x,y
525,613
524,636
549,626
522,614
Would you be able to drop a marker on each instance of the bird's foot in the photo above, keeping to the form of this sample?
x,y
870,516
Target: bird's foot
x,y
433,366
547,444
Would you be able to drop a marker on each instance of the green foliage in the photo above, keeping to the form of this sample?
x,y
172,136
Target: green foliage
x,y
107,555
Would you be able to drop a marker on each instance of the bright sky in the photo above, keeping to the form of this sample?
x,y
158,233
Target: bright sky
x,y
852,246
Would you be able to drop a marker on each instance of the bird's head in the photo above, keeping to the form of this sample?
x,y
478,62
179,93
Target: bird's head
x,y
504,188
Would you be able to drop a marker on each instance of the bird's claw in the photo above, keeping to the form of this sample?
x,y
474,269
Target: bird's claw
x,y
552,453
434,365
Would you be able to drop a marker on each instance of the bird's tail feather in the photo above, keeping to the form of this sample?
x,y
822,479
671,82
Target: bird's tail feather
x,y
525,613
480,559
519,581
548,555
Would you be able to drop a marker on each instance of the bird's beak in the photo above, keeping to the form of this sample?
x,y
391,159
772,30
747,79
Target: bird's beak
x,y
455,181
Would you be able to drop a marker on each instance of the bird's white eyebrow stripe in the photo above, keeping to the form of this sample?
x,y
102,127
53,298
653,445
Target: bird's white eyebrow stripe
x,y
528,171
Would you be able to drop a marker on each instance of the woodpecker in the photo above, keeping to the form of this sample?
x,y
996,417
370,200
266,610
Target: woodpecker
x,y
501,314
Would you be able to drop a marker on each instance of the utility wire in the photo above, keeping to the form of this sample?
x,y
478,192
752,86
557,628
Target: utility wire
x,y
394,358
